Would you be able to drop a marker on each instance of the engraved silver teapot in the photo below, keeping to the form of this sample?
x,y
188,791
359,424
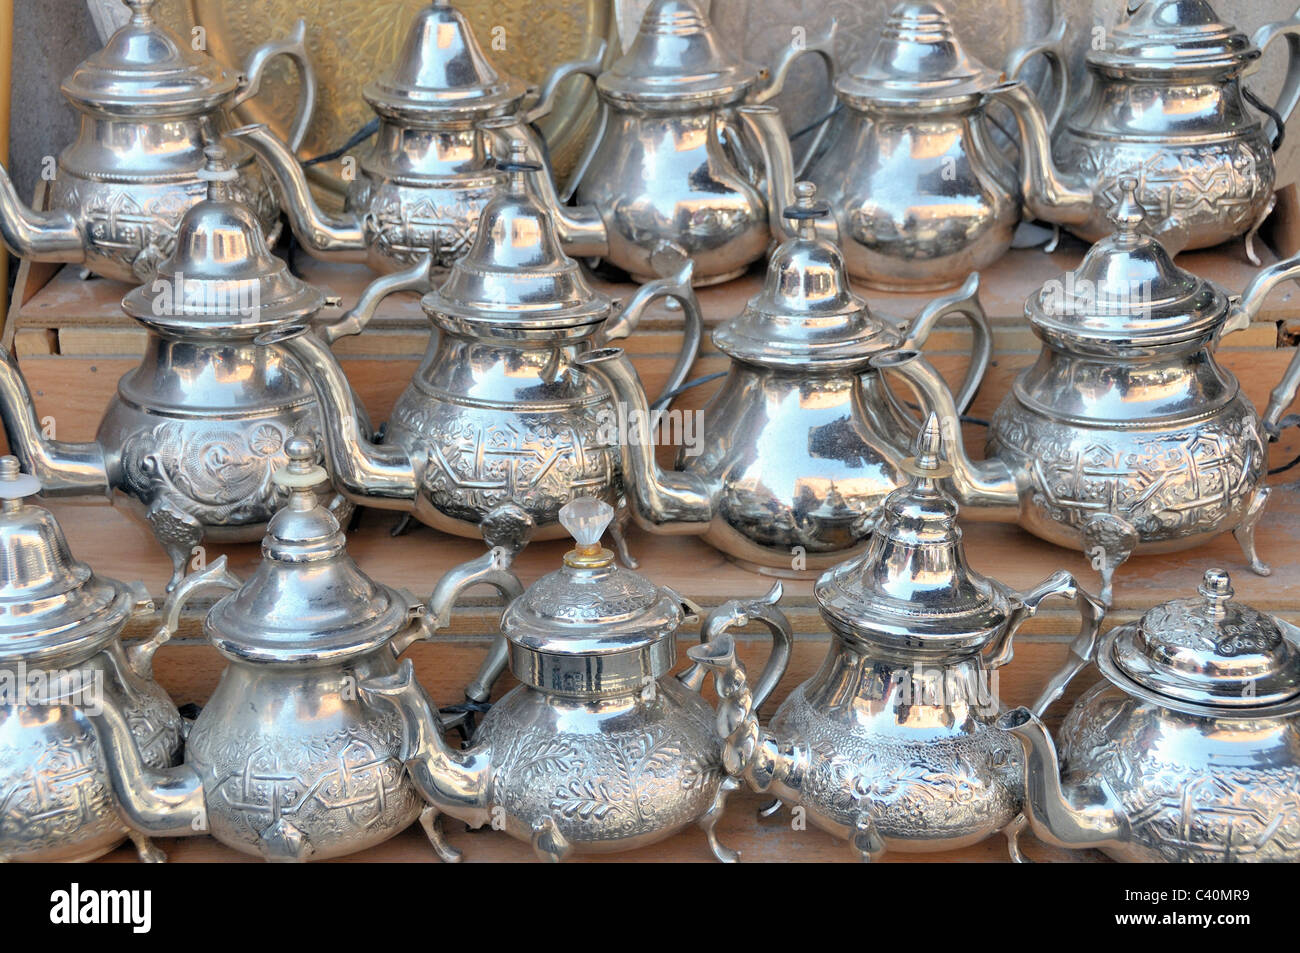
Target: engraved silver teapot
x,y
1188,750
689,151
149,106
599,749
287,761
893,743
61,656
423,183
921,192
193,434
803,439
1126,435
1166,104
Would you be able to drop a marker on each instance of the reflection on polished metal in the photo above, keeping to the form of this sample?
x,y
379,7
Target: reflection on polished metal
x,y
149,106
688,152
430,171
921,194
193,434
599,749
1189,751
286,761
61,655
1166,106
803,440
892,744
499,428
1126,435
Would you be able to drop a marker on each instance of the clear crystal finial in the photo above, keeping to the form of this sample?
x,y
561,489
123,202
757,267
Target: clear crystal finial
x,y
586,518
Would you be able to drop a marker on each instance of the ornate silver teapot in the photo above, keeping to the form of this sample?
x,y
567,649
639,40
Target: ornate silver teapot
x,y
688,151
1126,435
1188,751
149,107
1166,105
61,656
599,749
499,428
193,434
804,439
921,192
424,181
893,743
287,760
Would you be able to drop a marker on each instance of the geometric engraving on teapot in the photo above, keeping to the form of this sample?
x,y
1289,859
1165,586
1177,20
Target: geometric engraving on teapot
x,y
136,236
1167,485
60,792
405,230
1187,623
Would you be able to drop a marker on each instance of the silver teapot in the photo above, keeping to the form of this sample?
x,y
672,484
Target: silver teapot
x,y
921,190
149,107
423,183
803,439
287,761
1166,104
893,743
599,749
1126,435
193,434
61,656
1188,750
689,151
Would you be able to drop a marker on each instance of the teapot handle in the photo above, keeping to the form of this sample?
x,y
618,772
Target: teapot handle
x,y
822,45
1290,94
735,614
1050,48
293,46
1091,614
353,321
140,656
965,302
547,96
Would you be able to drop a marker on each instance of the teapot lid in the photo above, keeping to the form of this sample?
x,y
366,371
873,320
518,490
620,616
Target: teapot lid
x,y
145,67
1128,290
1165,35
918,60
1209,651
676,58
515,274
592,627
912,588
442,70
807,311
221,276
307,601
50,603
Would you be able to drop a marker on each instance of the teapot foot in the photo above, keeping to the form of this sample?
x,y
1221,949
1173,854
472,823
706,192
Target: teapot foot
x,y
509,527
179,534
1245,531
431,821
1012,833
709,822
865,840
1252,256
1109,541
548,843
147,850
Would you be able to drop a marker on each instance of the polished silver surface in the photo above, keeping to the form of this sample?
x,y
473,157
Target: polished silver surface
x,y
892,744
1187,751
150,104
600,749
688,151
803,440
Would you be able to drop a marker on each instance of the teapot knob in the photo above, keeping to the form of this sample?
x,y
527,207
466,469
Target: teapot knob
x,y
518,166
586,519
1216,587
217,172
927,460
141,11
806,209
301,472
1128,215
14,484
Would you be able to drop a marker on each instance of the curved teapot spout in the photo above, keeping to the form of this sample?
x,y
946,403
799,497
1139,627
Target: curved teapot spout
x,y
328,238
985,489
37,236
1054,819
454,782
1245,310
662,501
64,469
764,123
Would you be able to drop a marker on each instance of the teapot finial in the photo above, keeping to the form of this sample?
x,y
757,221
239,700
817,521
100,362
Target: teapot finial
x,y
141,12
217,173
14,484
586,518
927,461
518,166
301,475
1217,589
1128,215
806,209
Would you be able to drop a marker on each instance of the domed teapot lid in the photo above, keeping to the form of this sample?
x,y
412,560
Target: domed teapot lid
x,y
221,276
307,601
442,72
1208,650
1167,35
146,68
50,603
592,627
807,312
1128,290
676,58
917,60
912,589
515,275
